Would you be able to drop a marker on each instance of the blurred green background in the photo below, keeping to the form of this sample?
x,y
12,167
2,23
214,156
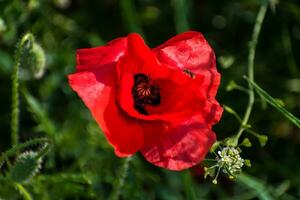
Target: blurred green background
x,y
82,165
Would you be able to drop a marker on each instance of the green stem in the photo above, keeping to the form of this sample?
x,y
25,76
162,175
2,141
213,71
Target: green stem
x,y
251,56
181,11
18,147
23,191
189,188
15,102
129,15
121,179
25,42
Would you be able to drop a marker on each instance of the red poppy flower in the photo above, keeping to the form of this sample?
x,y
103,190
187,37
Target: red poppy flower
x,y
160,102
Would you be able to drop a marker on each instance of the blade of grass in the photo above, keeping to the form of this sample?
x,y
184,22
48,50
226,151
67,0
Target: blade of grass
x,y
25,194
39,113
256,185
116,193
275,103
130,17
189,186
181,10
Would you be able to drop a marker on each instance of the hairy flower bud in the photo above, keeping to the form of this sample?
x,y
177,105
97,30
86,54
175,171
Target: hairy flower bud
x,y
32,58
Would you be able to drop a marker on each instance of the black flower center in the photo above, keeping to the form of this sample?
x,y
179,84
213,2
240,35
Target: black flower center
x,y
144,91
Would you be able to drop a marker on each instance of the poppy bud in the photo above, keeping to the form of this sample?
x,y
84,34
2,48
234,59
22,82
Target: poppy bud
x,y
32,58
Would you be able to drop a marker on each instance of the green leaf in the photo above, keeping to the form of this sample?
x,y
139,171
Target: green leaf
x,y
226,61
39,113
246,143
273,102
27,165
247,162
282,188
261,138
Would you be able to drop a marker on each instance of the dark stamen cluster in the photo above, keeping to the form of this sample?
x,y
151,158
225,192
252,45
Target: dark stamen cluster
x,y
144,91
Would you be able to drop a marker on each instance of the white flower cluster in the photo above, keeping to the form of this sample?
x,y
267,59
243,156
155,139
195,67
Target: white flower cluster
x,y
230,160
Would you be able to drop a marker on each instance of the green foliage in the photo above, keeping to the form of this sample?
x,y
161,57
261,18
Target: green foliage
x,y
263,193
45,124
26,166
81,164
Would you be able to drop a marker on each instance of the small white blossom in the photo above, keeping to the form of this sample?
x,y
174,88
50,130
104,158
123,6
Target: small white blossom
x,y
230,160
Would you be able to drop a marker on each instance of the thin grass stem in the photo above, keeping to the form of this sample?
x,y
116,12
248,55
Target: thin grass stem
x,y
251,56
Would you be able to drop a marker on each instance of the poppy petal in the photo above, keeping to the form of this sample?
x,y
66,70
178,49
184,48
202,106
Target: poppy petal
x,y
96,89
191,51
89,58
177,90
188,50
95,82
182,146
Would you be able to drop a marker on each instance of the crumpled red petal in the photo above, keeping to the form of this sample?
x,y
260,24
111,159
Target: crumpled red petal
x,y
188,50
191,51
185,144
182,146
90,58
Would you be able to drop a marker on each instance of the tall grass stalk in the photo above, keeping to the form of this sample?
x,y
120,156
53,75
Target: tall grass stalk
x,y
121,179
251,56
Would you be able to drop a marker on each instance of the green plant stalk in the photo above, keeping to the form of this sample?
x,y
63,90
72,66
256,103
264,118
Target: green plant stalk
x,y
121,179
15,101
18,147
27,39
189,186
251,56
181,10
130,17
22,190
